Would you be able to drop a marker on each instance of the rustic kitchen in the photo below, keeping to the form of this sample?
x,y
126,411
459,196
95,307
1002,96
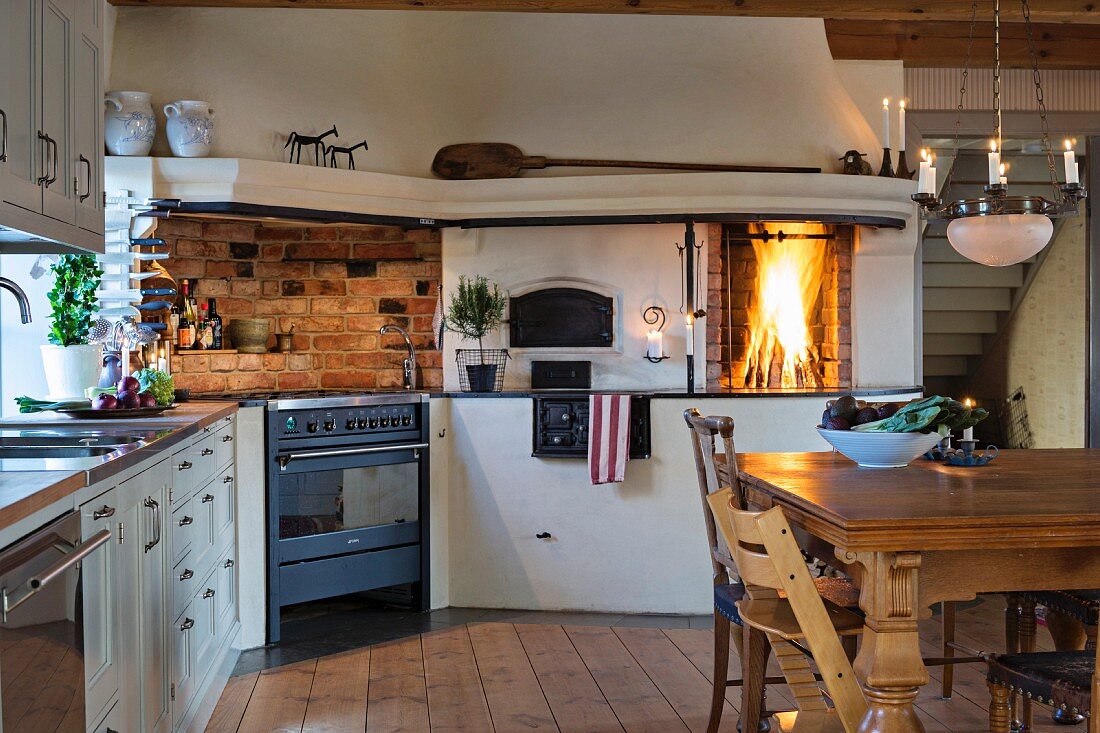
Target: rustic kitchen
x,y
384,366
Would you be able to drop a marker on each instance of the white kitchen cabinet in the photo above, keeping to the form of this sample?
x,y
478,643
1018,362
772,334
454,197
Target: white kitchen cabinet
x,y
102,590
51,128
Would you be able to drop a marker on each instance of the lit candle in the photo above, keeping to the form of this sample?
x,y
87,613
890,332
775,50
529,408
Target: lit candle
x,y
1003,178
655,348
933,187
922,172
901,125
968,433
1071,163
885,122
690,321
994,164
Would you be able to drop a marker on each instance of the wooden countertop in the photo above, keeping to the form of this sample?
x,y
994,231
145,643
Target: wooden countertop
x,y
22,493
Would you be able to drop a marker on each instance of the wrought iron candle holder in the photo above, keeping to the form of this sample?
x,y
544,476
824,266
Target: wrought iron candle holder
x,y
903,167
654,315
964,455
997,202
887,169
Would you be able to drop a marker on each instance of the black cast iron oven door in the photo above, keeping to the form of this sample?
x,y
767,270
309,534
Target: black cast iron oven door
x,y
560,318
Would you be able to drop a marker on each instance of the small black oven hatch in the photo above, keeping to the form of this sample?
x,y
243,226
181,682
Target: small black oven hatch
x,y
561,424
555,318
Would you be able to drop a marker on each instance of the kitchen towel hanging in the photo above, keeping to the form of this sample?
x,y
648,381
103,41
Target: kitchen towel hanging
x,y
608,437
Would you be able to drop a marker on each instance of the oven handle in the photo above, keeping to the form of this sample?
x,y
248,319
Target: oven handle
x,y
285,459
16,598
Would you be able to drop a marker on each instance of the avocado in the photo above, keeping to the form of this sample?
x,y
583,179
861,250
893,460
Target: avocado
x,y
866,415
845,407
837,423
887,410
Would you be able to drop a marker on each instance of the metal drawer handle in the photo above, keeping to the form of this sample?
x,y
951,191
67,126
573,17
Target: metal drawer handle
x,y
3,136
229,418
185,465
227,480
208,498
187,623
35,583
228,564
186,521
45,158
153,504
543,535
208,593
207,451
88,180
106,511
187,574
284,460
227,438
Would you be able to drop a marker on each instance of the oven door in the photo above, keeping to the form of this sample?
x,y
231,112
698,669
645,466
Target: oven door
x,y
346,498
42,628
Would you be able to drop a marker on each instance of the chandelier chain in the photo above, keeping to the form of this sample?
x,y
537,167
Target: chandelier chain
x,y
962,95
1037,78
997,74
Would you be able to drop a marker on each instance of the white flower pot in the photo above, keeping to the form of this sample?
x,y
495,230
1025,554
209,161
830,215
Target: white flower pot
x,y
128,123
190,128
71,369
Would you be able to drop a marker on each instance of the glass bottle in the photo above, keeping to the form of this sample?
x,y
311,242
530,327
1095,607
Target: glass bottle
x,y
215,324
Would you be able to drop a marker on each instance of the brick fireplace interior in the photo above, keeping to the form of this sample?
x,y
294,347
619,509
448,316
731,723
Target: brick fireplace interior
x,y
336,285
779,305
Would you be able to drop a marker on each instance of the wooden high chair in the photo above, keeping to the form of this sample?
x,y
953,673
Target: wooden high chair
x,y
764,550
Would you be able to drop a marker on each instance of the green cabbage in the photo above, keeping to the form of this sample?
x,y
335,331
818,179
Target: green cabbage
x,y
158,384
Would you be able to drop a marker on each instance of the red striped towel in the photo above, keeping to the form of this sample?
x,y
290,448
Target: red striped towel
x,y
608,437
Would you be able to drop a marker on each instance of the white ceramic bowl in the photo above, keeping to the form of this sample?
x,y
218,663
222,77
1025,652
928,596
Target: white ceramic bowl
x,y
880,450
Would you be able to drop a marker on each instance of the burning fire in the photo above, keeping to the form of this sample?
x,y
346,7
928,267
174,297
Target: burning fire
x,y
788,282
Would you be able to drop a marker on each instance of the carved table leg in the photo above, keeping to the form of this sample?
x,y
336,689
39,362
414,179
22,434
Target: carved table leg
x,y
889,662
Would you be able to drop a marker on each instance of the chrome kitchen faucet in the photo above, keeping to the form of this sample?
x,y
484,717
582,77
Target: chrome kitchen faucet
x,y
410,360
24,304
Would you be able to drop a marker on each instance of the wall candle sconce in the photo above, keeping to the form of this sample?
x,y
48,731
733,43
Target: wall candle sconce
x,y
654,315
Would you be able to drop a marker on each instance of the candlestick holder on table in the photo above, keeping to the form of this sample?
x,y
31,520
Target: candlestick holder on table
x,y
887,169
966,455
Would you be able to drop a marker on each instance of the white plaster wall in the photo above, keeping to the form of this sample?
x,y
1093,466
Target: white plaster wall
x,y
20,357
867,82
635,547
741,90
885,309
637,264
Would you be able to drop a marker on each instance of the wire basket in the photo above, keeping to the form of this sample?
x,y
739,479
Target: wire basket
x,y
481,370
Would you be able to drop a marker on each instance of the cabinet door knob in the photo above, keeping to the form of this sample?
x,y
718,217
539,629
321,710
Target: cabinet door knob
x,y
207,451
187,574
228,564
208,593
186,521
185,465
207,498
187,623
106,511
227,480
227,438
229,418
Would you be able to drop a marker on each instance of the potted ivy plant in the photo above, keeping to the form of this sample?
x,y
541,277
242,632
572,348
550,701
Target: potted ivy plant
x,y
477,309
70,362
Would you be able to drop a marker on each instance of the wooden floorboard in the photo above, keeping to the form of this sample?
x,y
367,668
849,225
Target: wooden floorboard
x,y
516,701
278,702
539,678
572,693
397,701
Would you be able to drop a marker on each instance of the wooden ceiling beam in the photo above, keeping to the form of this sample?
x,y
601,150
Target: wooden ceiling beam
x,y
923,43
1050,11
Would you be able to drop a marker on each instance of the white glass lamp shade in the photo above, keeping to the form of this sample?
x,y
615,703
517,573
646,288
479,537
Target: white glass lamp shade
x,y
1000,240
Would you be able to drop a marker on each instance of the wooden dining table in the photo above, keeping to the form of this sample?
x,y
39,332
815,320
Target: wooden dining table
x,y
912,537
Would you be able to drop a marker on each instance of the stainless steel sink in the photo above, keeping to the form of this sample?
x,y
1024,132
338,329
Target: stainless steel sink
x,y
57,451
76,440
70,448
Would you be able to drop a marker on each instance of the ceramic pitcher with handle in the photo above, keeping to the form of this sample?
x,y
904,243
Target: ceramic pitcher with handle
x,y
128,123
190,128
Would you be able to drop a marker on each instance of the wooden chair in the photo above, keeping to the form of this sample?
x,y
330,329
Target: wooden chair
x,y
764,549
728,590
1066,681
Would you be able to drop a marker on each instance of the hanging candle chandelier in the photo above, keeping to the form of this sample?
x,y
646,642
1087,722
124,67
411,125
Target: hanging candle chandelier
x,y
1000,229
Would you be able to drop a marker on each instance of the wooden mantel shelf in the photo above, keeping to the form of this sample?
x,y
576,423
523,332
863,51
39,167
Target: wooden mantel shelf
x,y
255,187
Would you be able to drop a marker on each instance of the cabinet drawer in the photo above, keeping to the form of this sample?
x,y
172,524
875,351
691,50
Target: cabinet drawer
x,y
226,599
204,646
183,529
204,504
224,491
183,584
203,457
183,477
183,664
225,441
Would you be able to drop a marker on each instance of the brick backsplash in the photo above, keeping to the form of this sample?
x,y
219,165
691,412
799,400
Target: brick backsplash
x,y
337,285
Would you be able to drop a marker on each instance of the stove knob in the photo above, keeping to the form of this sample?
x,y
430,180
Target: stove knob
x,y
311,426
350,424
361,423
374,422
330,424
385,422
406,420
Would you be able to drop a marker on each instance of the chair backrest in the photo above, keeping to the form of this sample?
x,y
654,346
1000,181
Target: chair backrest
x,y
767,555
704,433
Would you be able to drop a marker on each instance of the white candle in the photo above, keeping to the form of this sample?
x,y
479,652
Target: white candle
x,y
886,122
968,433
1071,164
932,187
901,125
1003,178
994,164
922,172
654,344
690,335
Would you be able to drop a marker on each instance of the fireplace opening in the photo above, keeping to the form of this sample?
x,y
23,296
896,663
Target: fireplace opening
x,y
784,291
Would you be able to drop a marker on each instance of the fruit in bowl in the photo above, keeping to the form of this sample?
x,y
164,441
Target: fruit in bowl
x,y
890,435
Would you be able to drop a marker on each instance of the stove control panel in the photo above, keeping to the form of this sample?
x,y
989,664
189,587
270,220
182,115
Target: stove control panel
x,y
351,420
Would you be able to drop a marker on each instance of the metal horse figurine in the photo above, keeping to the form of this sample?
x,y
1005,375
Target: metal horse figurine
x,y
296,141
334,149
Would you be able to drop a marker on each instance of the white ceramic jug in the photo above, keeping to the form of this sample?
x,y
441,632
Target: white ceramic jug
x,y
128,123
190,128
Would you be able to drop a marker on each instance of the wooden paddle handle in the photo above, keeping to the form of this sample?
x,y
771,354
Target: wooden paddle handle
x,y
537,161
